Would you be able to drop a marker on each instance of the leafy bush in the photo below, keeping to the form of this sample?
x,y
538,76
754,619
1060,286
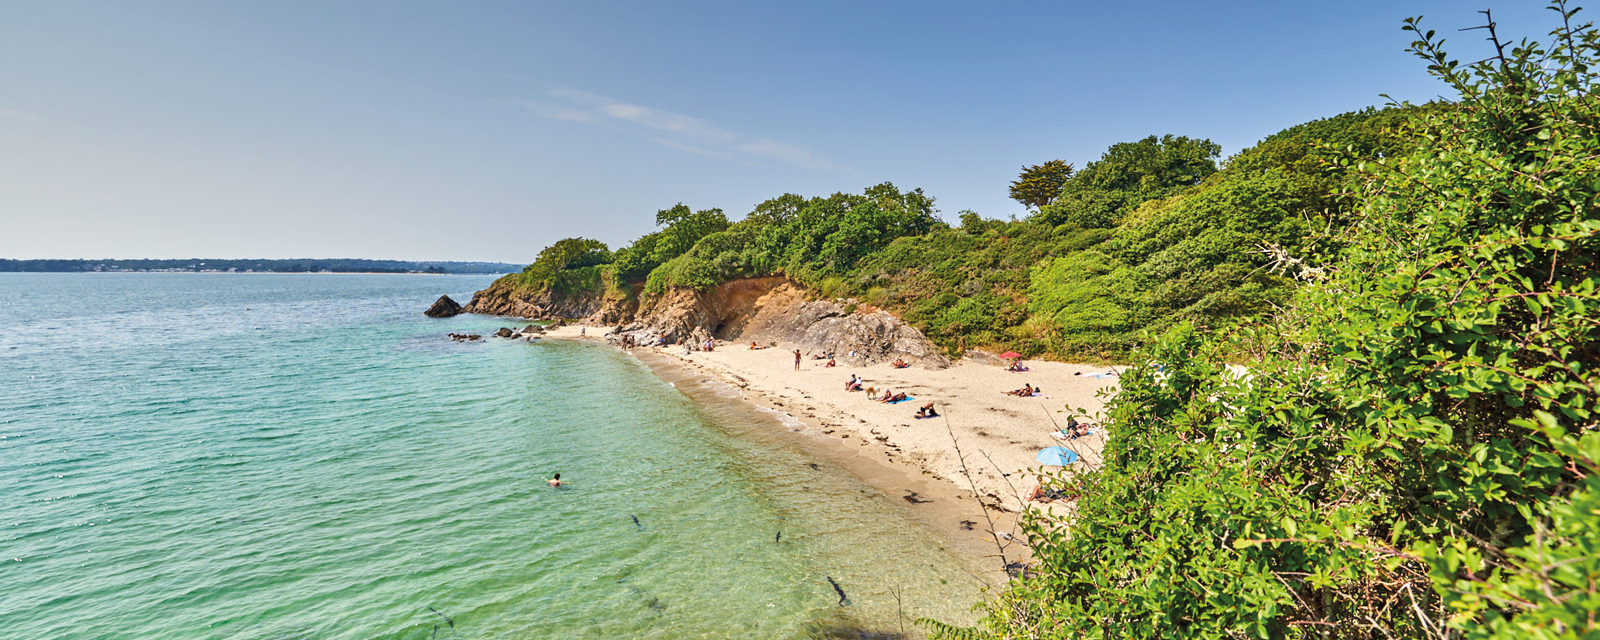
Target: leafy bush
x,y
566,266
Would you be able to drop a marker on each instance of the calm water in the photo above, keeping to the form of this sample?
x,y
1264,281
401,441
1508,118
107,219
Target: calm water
x,y
305,456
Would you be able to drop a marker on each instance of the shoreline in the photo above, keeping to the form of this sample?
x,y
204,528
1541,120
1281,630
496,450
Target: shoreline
x,y
912,462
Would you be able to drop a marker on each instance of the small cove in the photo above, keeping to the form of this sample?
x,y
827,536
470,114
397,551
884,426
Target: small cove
x,y
308,457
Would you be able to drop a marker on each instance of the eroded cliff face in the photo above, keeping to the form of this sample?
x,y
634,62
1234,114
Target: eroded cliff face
x,y
769,310
502,299
762,310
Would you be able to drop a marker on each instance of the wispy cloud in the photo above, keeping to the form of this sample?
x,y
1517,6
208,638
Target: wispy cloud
x,y
674,130
18,114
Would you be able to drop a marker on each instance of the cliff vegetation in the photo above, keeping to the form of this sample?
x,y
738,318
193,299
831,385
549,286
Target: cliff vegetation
x,y
1154,233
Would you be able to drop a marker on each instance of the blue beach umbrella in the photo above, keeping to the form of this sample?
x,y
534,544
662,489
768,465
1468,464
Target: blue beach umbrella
x,y
1056,456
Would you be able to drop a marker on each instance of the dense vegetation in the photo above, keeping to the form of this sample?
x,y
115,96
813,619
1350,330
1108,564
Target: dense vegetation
x,y
296,265
1413,450
1153,233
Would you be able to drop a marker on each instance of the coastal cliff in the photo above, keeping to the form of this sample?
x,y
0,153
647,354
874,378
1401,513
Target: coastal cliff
x,y
766,311
505,298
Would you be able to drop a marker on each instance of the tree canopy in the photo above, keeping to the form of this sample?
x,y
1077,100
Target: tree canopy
x,y
1041,183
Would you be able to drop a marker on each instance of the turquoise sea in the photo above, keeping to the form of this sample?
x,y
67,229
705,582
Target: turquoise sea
x,y
307,456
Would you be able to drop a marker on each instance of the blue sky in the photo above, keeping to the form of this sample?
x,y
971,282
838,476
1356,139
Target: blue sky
x,y
486,130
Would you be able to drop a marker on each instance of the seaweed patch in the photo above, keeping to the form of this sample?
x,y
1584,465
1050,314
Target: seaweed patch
x,y
844,601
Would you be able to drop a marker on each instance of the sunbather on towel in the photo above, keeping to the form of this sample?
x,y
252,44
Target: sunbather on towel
x,y
1073,430
1041,494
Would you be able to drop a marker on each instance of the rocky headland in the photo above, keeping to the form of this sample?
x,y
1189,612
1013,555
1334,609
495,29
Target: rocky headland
x,y
765,311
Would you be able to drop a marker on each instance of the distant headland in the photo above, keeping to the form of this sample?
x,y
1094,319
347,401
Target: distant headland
x,y
291,265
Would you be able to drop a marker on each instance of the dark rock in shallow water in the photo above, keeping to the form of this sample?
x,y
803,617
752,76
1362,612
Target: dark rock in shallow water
x,y
504,332
444,307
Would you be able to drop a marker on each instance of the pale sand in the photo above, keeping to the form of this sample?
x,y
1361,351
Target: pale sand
x,y
999,434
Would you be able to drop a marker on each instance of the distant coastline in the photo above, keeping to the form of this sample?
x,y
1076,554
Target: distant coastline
x,y
226,265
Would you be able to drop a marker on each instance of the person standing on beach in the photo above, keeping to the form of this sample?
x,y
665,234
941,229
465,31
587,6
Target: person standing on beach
x,y
796,359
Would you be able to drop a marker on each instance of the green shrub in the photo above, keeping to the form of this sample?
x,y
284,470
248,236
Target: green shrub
x,y
1414,451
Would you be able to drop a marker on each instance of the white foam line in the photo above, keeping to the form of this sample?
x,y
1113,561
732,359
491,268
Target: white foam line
x,y
784,417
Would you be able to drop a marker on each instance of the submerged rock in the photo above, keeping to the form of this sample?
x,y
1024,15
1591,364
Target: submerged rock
x,y
444,307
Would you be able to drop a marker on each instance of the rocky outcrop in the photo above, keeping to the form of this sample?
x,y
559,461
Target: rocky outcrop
x,y
761,310
444,307
694,316
774,309
503,298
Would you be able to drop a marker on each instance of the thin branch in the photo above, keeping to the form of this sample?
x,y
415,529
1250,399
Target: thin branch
x,y
962,458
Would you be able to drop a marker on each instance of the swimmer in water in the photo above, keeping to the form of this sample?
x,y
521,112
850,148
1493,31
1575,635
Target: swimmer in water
x,y
555,482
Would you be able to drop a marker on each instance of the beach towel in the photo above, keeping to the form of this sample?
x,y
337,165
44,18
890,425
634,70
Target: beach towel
x,y
905,399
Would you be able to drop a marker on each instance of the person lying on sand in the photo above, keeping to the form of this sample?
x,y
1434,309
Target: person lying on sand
x,y
899,363
1073,430
895,398
887,395
830,363
753,347
1017,367
1026,391
927,411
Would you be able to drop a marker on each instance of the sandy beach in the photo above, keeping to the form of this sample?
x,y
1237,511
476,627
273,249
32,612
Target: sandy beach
x,y
998,434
